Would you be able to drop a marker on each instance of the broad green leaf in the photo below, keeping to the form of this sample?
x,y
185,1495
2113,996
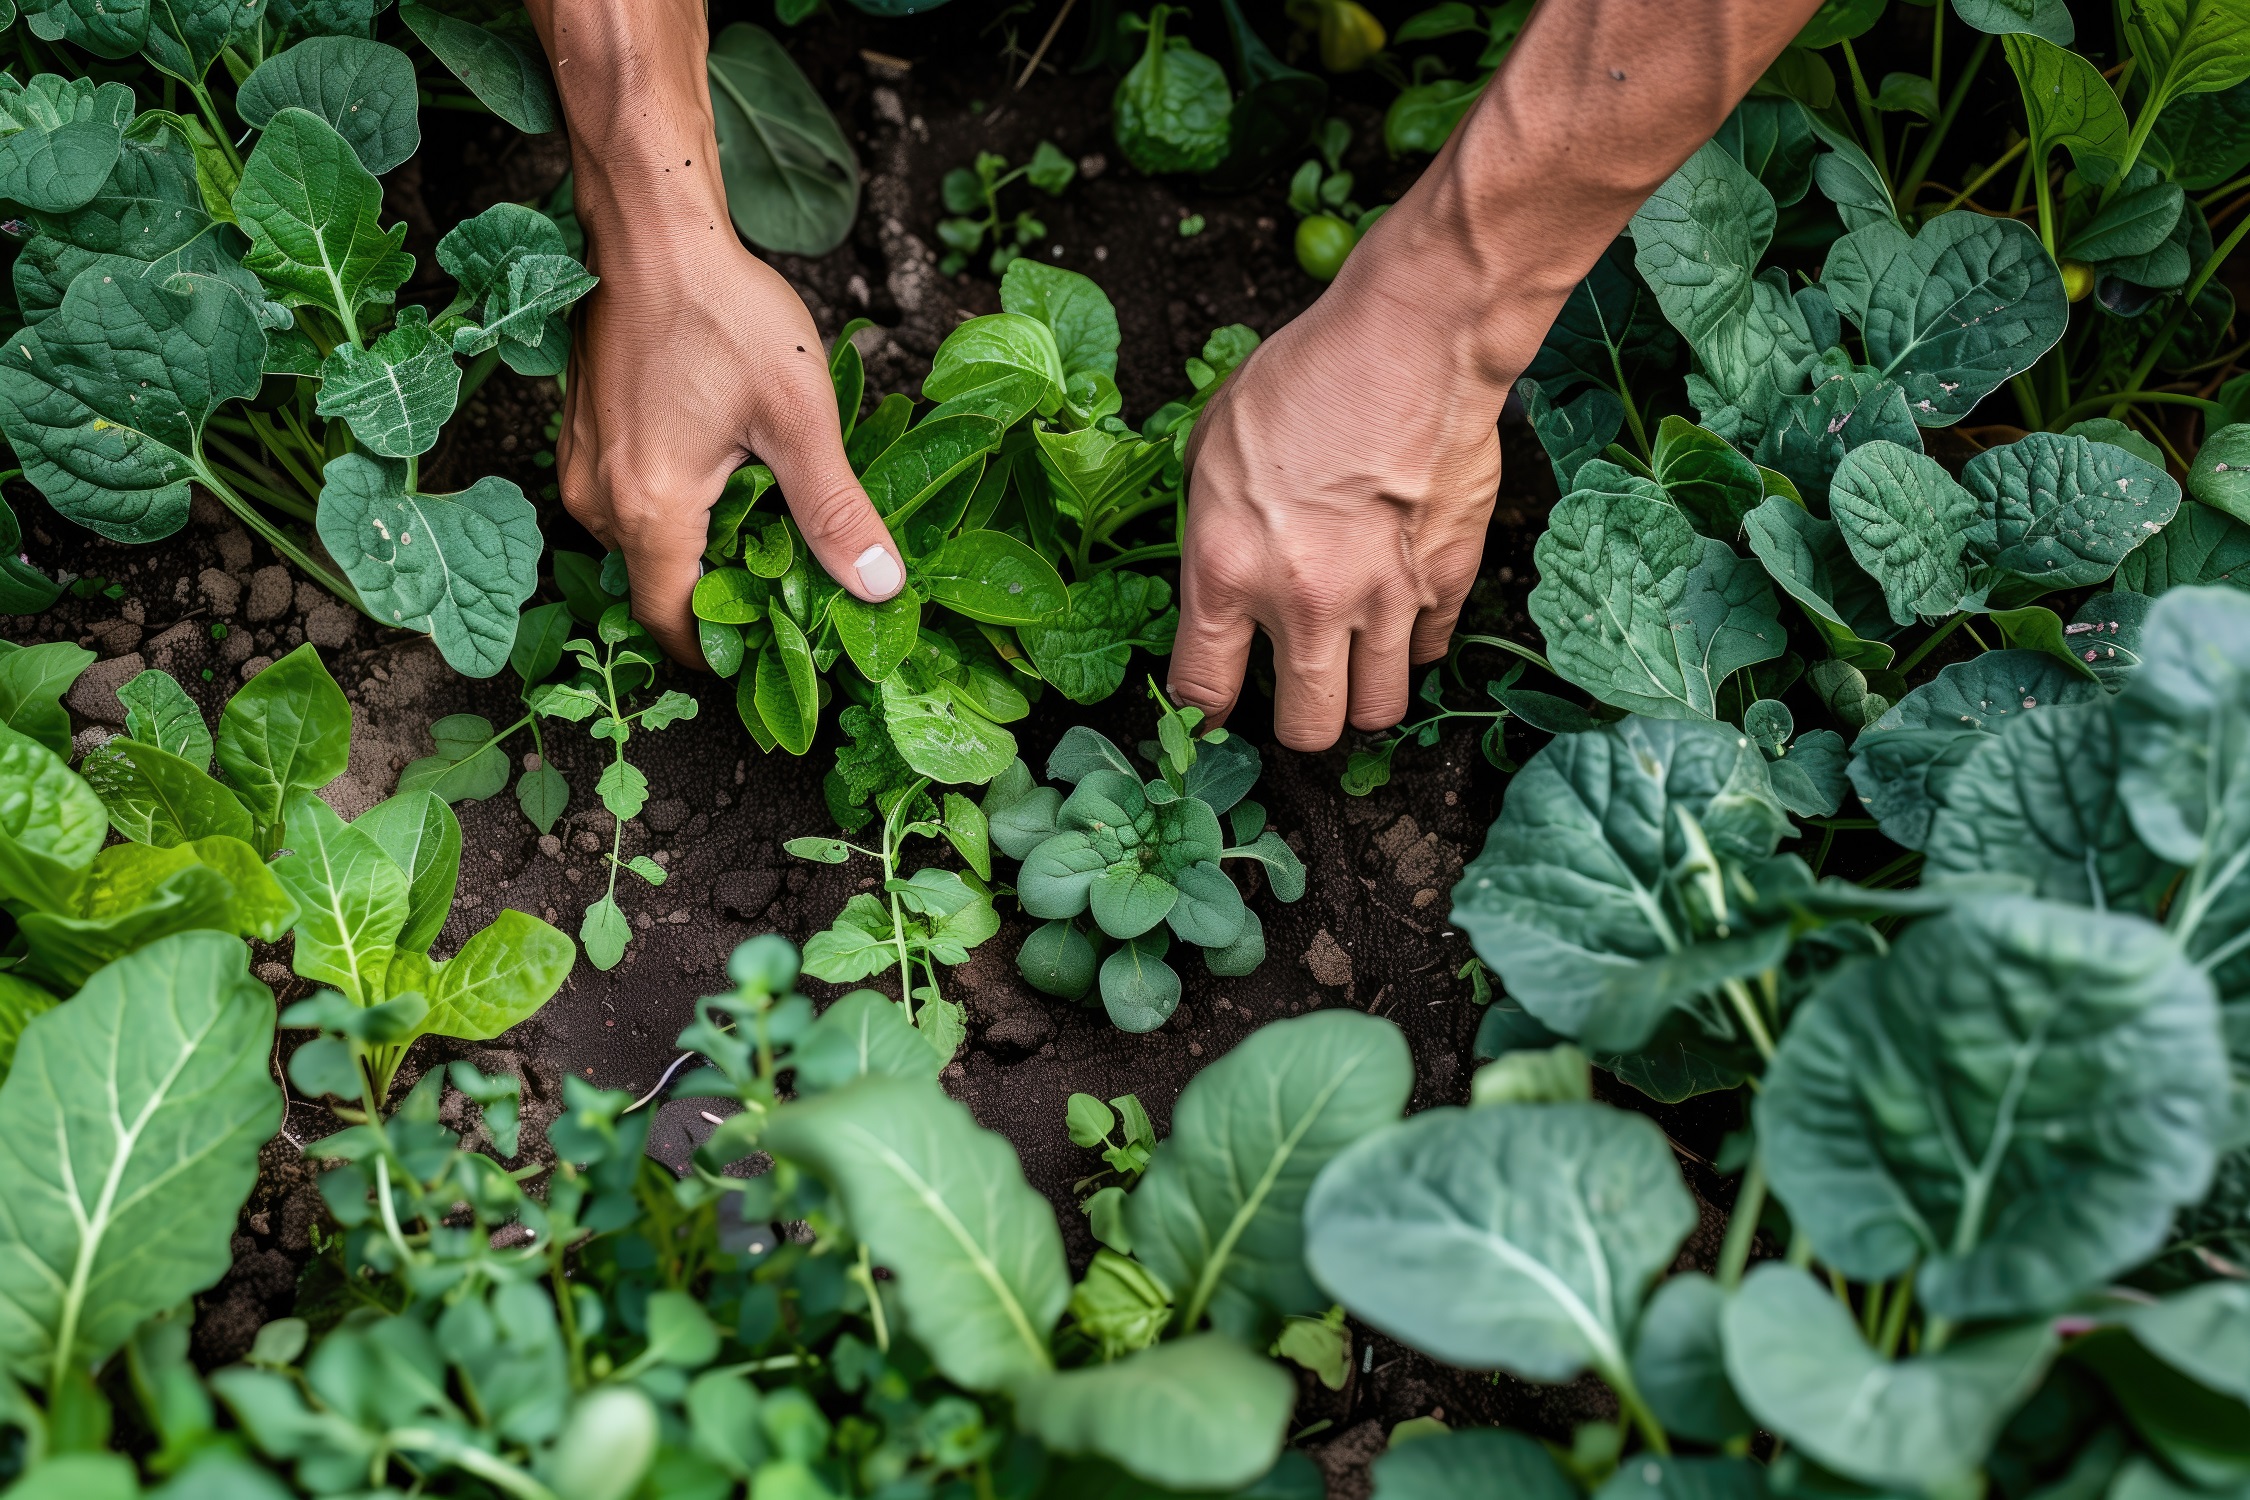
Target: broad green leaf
x,y
1813,564
1679,1361
33,680
365,89
106,28
469,764
1058,959
484,254
942,736
423,838
353,901
2185,776
1860,190
1198,1413
1075,310
506,72
51,826
1912,1426
791,175
1474,1463
1657,1477
185,37
2189,46
2206,137
1839,21
159,712
2134,224
155,797
858,943
976,1260
1844,410
135,894
1170,109
1573,435
1952,313
1518,1237
731,596
1139,989
313,214
1904,761
59,137
1640,610
623,789
1580,900
1209,912
1127,900
2068,103
604,933
862,1034
2011,1106
992,577
288,730
2200,546
2220,475
1708,478
459,566
2044,18
910,471
1611,319
2204,1333
397,393
877,636
106,401
1004,366
1919,534
24,590
130,1126
2064,511
1083,651
501,976
1698,241
1220,1215
1772,140
787,691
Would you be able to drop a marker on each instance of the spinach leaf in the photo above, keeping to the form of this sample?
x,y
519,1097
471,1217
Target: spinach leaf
x,y
1200,1413
353,900
2050,19
1811,561
313,214
1082,652
2188,48
1074,309
59,137
33,680
507,72
155,797
1847,408
24,590
1456,1465
1707,477
1171,108
365,89
1679,1361
153,1087
501,976
423,838
186,36
1898,1144
1003,366
990,576
975,1256
1573,435
51,826
458,566
1637,608
397,393
1918,533
1519,1236
792,178
1220,1215
102,27
2200,546
288,730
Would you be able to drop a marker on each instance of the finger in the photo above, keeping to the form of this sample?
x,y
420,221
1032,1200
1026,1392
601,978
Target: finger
x,y
1211,649
1380,673
806,453
663,558
1312,687
1433,630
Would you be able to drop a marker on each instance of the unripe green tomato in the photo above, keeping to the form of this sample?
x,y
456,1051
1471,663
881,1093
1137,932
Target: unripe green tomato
x,y
2078,280
1323,240
606,1448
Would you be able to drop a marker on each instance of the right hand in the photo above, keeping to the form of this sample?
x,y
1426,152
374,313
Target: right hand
x,y
692,358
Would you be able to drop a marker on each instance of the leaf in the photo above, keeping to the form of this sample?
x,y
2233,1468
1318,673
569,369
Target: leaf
x,y
786,688
508,75
2220,475
1127,900
1003,366
1075,310
397,393
2202,1333
469,764
130,1127
604,933
2016,1101
862,1034
1914,1425
922,462
1575,901
1220,1215
104,29
33,680
20,1000
2044,18
288,730
59,138
1199,1413
365,89
1679,1361
943,737
1083,651
353,901
1919,534
976,1260
1610,318
1518,1237
791,176
159,712
1952,313
106,401
1058,959
2189,46
313,214
1470,1464
1170,109
2064,510
423,838
2200,546
1572,435
1710,480
859,943
501,976
1811,561
154,797
1844,410
1139,989
24,590
1641,611
51,826
992,577
623,789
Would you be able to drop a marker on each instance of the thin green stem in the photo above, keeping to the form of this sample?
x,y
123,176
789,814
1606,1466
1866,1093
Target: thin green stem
x,y
1914,658
1894,1317
1629,1402
1985,176
497,1472
1742,1223
2043,181
2115,400
1746,1006
1936,1334
219,130
1157,552
1869,120
1504,644
1927,155
278,540
268,488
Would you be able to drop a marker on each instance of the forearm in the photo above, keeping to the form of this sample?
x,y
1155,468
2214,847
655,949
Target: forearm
x,y
1598,102
638,105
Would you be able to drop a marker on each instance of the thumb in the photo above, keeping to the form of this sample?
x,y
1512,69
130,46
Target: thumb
x,y
839,523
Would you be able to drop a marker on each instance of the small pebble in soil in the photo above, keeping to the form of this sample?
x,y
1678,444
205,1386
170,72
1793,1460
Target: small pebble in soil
x,y
1195,1049
550,846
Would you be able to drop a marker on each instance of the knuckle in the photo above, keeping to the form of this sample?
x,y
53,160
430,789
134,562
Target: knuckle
x,y
831,511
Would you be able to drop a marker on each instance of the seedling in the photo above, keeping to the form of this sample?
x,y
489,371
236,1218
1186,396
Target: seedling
x,y
1120,1130
973,195
1126,866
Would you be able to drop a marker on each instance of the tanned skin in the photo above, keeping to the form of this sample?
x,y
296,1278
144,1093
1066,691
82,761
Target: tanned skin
x,y
1341,482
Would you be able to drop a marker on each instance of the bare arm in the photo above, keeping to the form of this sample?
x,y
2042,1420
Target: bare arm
x,y
1342,481
694,354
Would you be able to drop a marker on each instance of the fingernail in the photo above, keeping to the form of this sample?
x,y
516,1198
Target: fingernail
x,y
879,572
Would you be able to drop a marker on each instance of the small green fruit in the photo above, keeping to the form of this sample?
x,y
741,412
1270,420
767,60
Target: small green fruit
x,y
606,1448
2078,280
1323,240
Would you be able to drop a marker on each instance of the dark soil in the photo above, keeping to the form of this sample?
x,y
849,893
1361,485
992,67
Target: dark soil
x,y
1371,932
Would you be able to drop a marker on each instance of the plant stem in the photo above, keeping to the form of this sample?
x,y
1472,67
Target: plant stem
x,y
497,1472
1936,1334
1920,169
1742,1223
1746,1006
2093,405
1630,1403
279,541
1894,1318
1985,176
1914,657
1869,120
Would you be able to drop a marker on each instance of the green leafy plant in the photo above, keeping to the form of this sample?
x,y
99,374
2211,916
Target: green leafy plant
x,y
792,178
973,196
196,316
1430,104
1021,471
1320,195
1980,1103
1129,865
1121,1131
1171,108
928,918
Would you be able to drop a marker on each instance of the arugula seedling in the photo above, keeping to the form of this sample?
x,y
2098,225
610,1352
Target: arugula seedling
x,y
973,195
929,918
1092,1124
